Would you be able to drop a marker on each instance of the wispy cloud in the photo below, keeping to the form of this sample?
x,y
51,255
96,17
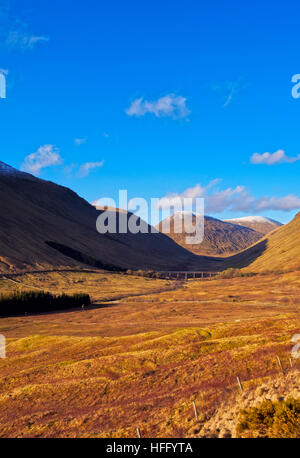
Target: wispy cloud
x,y
237,199
278,157
79,141
170,105
68,169
227,90
231,90
45,156
15,33
85,169
20,40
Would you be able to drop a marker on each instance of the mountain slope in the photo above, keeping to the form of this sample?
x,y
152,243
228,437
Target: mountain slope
x,y
220,238
279,250
257,223
44,225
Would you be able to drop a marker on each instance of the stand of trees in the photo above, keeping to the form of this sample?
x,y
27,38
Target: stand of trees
x,y
37,302
145,273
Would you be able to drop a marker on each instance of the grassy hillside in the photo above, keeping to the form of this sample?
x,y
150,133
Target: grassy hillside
x,y
102,286
279,251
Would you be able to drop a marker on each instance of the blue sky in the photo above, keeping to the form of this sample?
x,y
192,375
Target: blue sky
x,y
156,98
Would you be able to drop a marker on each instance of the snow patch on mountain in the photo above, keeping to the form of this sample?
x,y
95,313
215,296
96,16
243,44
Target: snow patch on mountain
x,y
253,219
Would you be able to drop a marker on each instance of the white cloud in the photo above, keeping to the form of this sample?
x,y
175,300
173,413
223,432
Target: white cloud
x,y
85,169
79,141
174,199
45,156
287,203
278,157
237,199
20,40
169,105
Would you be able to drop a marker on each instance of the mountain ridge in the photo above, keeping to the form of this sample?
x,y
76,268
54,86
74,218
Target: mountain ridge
x,y
45,225
221,238
258,223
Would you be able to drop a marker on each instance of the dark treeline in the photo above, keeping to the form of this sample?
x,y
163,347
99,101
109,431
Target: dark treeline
x,y
37,302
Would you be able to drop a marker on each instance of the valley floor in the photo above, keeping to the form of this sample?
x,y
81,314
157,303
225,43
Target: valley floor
x,y
144,352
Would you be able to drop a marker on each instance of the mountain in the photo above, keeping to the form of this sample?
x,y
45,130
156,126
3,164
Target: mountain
x,y
279,250
45,226
220,238
257,223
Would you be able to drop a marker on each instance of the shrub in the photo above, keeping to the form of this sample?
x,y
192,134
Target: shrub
x,y
145,273
231,273
271,419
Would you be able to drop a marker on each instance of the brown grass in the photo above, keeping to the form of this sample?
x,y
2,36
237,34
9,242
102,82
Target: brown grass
x,y
142,360
278,251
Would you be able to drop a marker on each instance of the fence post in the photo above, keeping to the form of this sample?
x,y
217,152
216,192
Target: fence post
x,y
279,362
138,433
240,384
195,410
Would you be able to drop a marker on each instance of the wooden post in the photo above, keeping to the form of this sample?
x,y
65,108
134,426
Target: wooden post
x,y
291,362
279,362
195,410
240,384
138,433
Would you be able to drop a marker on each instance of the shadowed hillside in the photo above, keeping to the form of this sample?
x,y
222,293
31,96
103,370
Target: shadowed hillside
x,y
44,225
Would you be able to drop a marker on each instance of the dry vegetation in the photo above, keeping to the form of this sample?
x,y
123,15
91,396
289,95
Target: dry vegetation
x,y
142,359
101,286
278,251
268,408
